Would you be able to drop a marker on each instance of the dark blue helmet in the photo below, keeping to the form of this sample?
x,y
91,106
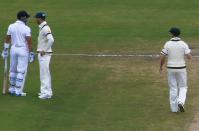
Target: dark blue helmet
x,y
41,15
22,14
175,31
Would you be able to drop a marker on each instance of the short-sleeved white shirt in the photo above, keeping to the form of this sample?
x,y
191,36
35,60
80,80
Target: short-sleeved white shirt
x,y
18,32
175,50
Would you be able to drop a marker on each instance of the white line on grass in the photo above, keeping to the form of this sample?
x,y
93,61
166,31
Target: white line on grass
x,y
108,55
113,55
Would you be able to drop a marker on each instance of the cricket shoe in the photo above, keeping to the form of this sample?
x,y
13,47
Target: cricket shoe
x,y
181,107
43,97
11,91
40,94
20,94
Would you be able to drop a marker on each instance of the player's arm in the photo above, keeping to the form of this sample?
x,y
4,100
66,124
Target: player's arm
x,y
29,39
8,39
50,40
8,36
29,42
162,62
188,52
189,56
31,54
163,55
7,43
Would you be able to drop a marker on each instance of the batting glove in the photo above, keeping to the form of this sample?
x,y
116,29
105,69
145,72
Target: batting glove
x,y
31,57
5,52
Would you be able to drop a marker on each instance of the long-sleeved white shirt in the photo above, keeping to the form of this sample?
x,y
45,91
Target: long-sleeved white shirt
x,y
45,38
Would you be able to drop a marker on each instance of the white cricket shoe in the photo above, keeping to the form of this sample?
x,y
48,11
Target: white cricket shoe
x,y
40,94
44,96
21,94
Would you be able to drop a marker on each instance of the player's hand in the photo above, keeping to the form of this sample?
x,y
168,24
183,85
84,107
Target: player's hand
x,y
31,57
42,53
5,53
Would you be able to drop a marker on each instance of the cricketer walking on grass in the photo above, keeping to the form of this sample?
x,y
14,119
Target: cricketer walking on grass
x,y
19,37
45,42
176,50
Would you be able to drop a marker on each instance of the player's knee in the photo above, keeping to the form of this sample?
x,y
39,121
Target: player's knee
x,y
13,78
12,81
21,70
20,79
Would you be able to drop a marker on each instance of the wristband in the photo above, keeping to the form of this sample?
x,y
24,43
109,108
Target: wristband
x,y
6,45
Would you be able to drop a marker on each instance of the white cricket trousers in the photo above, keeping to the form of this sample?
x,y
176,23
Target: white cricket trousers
x,y
177,80
45,76
18,67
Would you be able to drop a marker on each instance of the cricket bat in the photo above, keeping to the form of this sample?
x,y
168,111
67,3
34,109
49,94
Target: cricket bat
x,y
5,77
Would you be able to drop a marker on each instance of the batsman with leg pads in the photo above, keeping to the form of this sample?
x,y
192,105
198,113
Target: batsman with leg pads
x,y
19,37
176,50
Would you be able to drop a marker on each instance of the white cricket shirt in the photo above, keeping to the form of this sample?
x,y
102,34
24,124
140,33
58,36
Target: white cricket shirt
x,y
175,50
44,31
18,32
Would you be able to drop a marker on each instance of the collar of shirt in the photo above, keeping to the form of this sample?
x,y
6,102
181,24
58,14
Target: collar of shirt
x,y
42,24
175,39
20,22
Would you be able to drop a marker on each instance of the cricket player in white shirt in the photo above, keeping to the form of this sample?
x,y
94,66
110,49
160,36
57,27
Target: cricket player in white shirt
x,y
19,36
45,42
176,50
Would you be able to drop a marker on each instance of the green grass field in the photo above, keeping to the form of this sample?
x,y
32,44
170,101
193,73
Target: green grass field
x,y
103,93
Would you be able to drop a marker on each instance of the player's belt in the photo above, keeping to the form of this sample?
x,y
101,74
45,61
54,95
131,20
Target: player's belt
x,y
18,46
46,52
182,67
175,40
